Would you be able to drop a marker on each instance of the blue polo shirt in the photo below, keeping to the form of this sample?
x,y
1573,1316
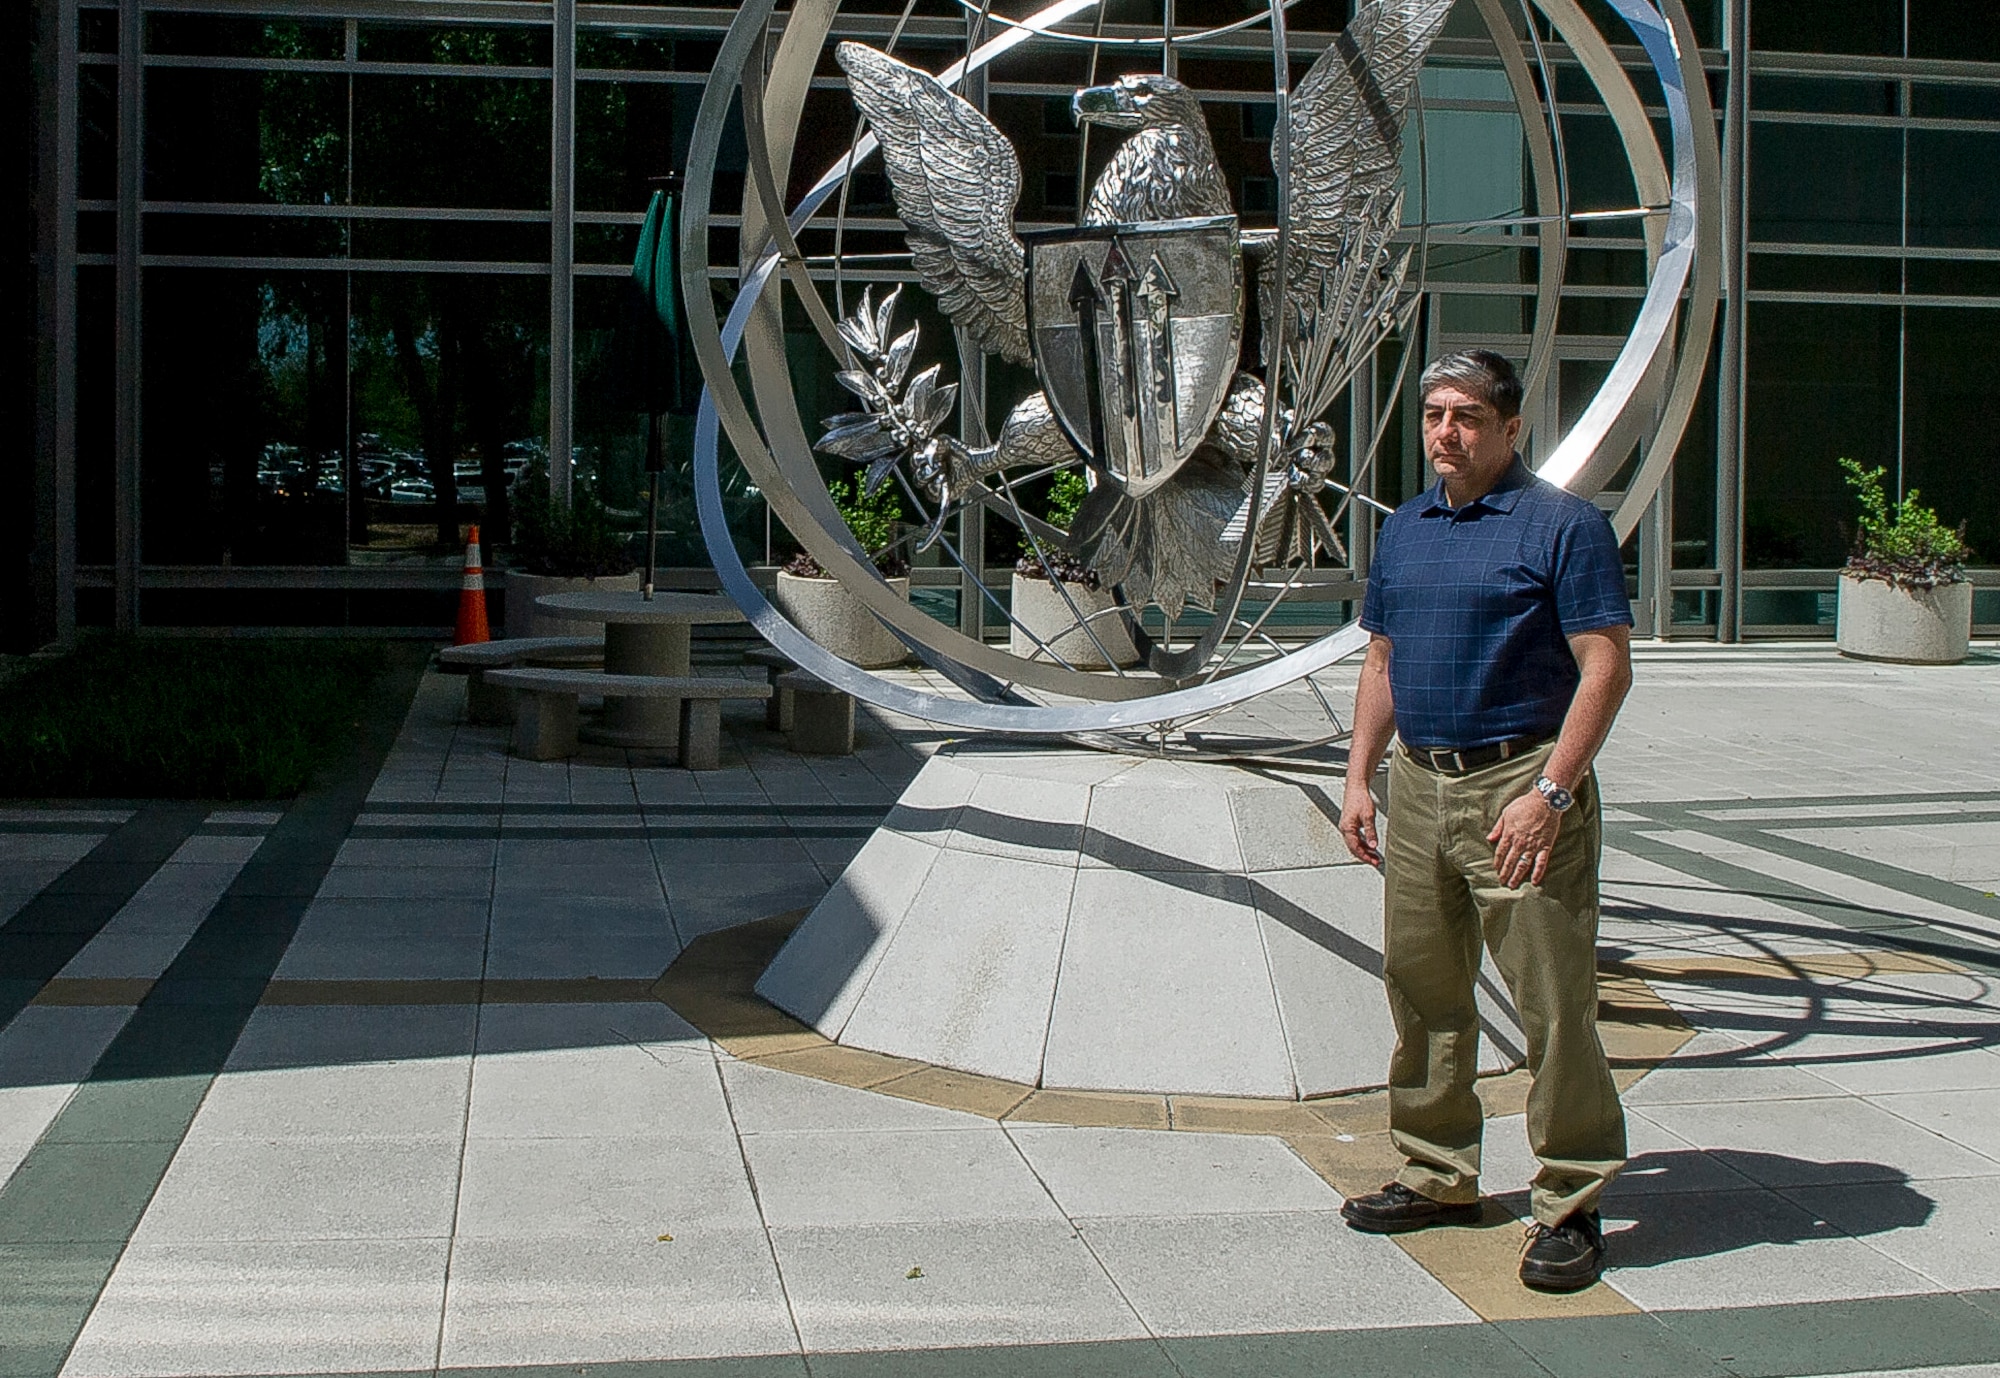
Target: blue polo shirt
x,y
1478,602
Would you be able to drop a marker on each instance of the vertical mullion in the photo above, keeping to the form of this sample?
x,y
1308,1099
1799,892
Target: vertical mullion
x,y
126,420
1730,390
53,557
562,246
972,415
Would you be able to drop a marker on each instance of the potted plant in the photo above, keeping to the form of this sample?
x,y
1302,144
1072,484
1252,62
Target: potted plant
x,y
1903,595
559,548
1052,590
822,608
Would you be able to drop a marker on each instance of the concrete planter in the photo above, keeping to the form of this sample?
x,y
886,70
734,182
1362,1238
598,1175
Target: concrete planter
x,y
1041,610
524,619
825,611
1878,621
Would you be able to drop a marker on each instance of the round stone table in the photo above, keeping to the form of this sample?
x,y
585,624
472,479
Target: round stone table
x,y
642,636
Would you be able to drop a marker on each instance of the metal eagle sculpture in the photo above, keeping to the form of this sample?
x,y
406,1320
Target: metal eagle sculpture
x,y
1134,321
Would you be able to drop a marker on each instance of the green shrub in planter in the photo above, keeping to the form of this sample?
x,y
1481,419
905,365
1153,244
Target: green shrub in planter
x,y
1902,543
576,541
871,518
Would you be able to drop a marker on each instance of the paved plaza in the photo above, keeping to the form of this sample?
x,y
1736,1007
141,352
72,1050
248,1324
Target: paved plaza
x,y
450,1066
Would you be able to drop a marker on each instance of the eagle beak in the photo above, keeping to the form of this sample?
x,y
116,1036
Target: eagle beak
x,y
1110,106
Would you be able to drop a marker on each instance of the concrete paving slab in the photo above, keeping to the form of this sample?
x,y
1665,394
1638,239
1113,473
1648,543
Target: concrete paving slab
x,y
1165,986
576,955
332,1306
1006,930
417,1099
592,1092
384,957
1820,1142
57,1044
1743,1248
1146,1173
1950,1233
1154,819
977,1284
292,1190
568,1301
628,1189
1246,1274
555,1027
312,1036
1967,1117
632,880
417,851
821,972
407,882
893,1178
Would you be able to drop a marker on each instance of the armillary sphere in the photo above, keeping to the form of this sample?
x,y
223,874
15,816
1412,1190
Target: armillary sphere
x,y
1212,479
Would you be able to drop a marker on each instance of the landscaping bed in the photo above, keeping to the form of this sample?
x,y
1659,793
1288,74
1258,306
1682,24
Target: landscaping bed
x,y
181,718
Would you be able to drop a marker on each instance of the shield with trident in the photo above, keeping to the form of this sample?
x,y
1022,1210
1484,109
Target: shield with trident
x,y
1136,330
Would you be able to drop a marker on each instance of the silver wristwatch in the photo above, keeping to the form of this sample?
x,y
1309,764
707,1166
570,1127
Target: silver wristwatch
x,y
1553,794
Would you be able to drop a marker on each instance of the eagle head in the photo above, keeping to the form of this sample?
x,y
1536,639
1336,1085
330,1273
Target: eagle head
x,y
1143,101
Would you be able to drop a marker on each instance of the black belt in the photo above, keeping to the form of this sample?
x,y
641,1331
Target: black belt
x,y
1474,758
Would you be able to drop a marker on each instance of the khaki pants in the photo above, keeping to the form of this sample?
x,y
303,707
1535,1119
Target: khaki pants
x,y
1443,895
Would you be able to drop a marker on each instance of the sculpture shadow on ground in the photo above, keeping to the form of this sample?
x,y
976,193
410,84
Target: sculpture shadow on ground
x,y
1771,1015
1687,1204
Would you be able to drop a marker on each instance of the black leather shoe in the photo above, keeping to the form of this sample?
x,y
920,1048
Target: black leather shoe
x,y
1566,1257
1396,1208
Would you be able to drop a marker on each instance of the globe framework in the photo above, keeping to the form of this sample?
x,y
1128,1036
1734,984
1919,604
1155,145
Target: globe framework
x,y
1645,398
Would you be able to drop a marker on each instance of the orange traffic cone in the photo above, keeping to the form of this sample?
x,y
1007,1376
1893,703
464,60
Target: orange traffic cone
x,y
472,598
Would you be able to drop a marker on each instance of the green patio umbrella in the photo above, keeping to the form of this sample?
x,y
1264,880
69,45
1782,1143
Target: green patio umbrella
x,y
650,344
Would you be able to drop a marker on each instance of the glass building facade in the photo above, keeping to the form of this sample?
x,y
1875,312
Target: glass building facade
x,y
312,284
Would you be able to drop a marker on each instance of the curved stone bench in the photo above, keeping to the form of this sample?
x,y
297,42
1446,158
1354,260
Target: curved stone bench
x,y
545,716
489,703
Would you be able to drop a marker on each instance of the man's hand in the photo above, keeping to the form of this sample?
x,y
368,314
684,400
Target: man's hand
x,y
1357,823
1522,840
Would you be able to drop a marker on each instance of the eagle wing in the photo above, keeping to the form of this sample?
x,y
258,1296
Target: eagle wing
x,y
1344,280
956,181
1347,145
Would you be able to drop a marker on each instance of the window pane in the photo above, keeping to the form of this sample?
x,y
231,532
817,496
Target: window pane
x,y
1825,184
508,47
1694,477
225,135
626,132
96,407
451,141
1952,402
1954,194
201,35
1968,30
244,386
1824,95
450,389
1828,26
1822,385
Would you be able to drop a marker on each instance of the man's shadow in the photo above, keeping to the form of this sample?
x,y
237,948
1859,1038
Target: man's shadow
x,y
1690,1204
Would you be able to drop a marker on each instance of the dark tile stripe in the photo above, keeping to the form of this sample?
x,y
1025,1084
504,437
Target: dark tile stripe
x,y
67,1212
50,929
1915,1332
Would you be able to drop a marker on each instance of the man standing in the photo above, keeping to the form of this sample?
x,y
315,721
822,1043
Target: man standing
x,y
1499,656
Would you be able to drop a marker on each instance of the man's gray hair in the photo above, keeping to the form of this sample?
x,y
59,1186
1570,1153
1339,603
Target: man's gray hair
x,y
1479,372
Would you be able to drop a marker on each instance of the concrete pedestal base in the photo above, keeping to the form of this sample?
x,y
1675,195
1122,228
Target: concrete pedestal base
x,y
1084,920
